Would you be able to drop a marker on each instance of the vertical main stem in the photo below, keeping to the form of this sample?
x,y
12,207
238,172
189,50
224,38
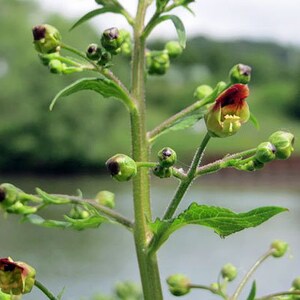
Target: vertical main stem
x,y
140,151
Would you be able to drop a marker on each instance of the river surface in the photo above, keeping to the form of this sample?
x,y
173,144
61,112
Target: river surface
x,y
94,260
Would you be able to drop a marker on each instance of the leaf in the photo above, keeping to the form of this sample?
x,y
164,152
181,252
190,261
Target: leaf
x,y
222,220
178,26
50,199
252,292
90,222
104,86
254,120
180,124
94,13
37,220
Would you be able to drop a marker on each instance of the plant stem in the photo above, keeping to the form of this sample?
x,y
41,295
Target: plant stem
x,y
272,296
185,183
223,163
249,274
42,288
140,151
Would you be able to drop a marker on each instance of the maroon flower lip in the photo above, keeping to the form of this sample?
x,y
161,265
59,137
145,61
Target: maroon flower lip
x,y
234,95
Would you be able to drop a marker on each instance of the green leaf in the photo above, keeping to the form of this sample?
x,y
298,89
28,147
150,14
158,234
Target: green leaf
x,y
254,120
90,222
222,220
178,26
182,123
252,292
102,85
37,220
96,12
50,199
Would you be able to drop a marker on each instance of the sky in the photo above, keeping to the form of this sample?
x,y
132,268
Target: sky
x,y
269,20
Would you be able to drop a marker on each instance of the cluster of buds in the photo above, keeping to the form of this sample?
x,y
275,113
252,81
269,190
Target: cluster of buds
x,y
16,278
166,159
113,42
121,167
14,201
48,41
279,146
78,212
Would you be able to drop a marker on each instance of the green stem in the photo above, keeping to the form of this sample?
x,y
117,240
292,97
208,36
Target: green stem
x,y
272,296
250,273
223,163
186,182
140,151
144,164
42,288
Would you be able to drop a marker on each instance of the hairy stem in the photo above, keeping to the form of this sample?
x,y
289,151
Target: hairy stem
x,y
42,288
140,151
186,182
250,273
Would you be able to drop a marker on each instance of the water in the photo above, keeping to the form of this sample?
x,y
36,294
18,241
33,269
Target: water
x,y
94,260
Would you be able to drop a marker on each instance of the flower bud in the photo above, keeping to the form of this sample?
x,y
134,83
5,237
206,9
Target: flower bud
x,y
240,74
162,172
128,290
179,284
16,278
79,213
279,248
9,194
121,167
202,91
106,198
157,62
229,272
20,208
93,52
296,283
229,111
56,66
126,47
174,49
167,157
46,38
265,152
112,40
283,142
105,59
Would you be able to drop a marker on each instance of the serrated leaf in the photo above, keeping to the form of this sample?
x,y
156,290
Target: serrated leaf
x,y
38,220
51,199
104,86
181,124
90,222
180,29
222,220
252,292
94,13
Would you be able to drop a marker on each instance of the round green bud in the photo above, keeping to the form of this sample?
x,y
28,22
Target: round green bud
x,y
179,284
229,272
279,248
128,290
106,198
46,38
240,74
56,66
78,212
93,52
283,142
162,172
121,167
215,287
167,157
157,62
202,91
112,40
174,49
296,283
265,152
104,59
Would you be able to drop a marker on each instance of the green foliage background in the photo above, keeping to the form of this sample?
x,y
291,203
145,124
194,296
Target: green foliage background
x,y
85,130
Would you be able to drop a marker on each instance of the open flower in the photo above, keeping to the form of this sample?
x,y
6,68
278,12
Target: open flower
x,y
16,277
229,111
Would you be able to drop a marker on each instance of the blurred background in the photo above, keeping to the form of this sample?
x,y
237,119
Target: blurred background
x,y
67,148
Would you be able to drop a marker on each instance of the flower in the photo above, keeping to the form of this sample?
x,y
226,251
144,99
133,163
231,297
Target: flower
x,y
229,111
16,277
